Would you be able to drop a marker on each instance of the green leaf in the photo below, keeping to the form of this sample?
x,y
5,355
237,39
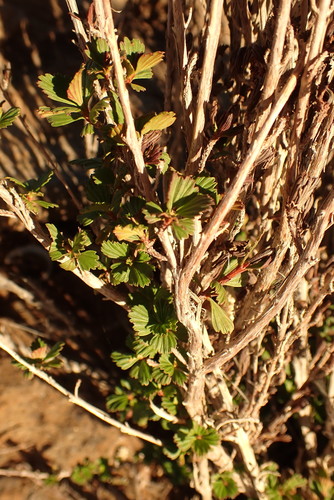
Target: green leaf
x,y
137,88
98,108
132,46
7,118
238,281
80,241
140,274
192,205
88,260
124,361
224,487
117,402
55,351
208,185
182,228
166,365
36,185
221,292
145,63
152,212
139,317
116,111
69,264
197,438
119,273
142,372
158,122
294,482
164,342
114,249
55,87
59,117
220,320
180,187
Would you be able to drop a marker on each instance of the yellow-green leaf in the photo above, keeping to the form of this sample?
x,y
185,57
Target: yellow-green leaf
x,y
147,61
159,122
219,318
74,91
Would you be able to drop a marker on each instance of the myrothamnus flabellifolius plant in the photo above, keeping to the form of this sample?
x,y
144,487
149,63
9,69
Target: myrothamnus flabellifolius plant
x,y
120,242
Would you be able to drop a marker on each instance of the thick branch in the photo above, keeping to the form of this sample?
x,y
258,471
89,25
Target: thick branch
x,y
305,262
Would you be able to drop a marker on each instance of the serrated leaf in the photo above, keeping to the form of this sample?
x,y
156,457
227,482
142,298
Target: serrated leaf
x,y
152,212
142,372
294,482
7,118
116,111
88,260
182,228
98,108
137,88
166,365
37,184
139,317
61,116
146,62
197,438
141,274
87,129
179,376
119,273
163,342
117,402
159,122
237,281
221,292
224,486
74,91
54,351
161,377
80,241
114,250
68,264
55,87
208,185
123,361
53,231
129,232
219,318
134,46
192,205
179,187
143,349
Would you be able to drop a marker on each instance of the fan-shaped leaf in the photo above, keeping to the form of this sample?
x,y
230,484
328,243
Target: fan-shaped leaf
x,y
159,122
88,260
180,187
146,62
220,320
55,87
74,91
7,118
139,317
114,250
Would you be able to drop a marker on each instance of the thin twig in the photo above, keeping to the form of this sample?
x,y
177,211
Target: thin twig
x,y
76,400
